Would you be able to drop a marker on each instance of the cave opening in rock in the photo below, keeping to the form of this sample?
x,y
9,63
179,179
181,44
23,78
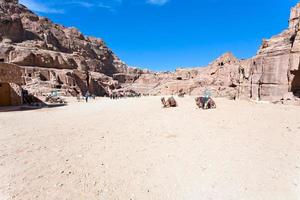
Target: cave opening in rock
x,y
232,85
296,84
5,96
58,86
43,78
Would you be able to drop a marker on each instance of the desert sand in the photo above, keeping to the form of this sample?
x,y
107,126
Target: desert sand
x,y
134,149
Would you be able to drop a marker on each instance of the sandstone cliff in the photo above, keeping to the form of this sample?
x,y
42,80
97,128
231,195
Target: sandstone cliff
x,y
61,58
221,76
272,75
55,56
274,71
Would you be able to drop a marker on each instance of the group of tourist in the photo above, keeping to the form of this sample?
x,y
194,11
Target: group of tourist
x,y
112,95
86,97
204,102
123,94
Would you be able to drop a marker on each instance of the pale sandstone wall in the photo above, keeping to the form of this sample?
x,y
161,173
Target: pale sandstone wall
x,y
58,57
16,94
273,74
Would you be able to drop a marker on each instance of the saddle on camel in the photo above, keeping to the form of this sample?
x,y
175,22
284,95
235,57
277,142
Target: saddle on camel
x,y
205,103
171,102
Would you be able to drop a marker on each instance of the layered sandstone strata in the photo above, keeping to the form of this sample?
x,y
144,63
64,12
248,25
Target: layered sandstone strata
x,y
272,75
54,56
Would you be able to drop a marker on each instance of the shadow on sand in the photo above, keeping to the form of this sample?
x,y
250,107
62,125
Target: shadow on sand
x,y
29,107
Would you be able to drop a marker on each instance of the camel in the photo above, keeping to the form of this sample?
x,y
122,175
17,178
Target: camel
x,y
210,104
171,102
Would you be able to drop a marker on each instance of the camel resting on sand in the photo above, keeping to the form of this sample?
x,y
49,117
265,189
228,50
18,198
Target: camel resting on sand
x,y
205,103
171,102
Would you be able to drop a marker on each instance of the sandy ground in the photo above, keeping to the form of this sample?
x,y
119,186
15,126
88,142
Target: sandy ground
x,y
134,149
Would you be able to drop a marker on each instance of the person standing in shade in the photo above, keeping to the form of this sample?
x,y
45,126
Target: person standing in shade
x,y
78,96
87,94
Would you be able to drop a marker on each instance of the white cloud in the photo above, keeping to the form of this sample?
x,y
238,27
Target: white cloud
x,y
158,2
80,3
61,6
38,7
111,5
108,7
58,6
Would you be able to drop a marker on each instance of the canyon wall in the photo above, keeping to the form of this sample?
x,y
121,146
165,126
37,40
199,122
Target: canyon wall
x,y
272,75
54,56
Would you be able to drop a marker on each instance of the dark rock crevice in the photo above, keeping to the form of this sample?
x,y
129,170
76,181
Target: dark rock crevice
x,y
295,85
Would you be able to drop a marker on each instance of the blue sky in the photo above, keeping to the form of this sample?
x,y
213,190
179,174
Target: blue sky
x,y
166,34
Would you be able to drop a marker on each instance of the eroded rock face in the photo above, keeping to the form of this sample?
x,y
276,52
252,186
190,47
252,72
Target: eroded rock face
x,y
68,82
35,43
11,28
274,70
57,57
271,75
221,76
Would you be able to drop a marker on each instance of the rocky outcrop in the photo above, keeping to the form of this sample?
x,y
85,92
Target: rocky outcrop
x,y
61,58
54,56
221,76
272,75
274,71
10,85
11,73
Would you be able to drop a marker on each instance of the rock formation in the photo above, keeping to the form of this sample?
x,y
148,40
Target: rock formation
x,y
272,75
274,71
221,76
10,81
53,56
56,57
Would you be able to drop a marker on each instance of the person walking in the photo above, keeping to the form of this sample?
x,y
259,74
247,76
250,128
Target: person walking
x,y
78,97
87,94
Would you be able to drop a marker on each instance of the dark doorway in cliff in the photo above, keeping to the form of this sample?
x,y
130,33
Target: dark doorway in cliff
x,y
43,78
296,83
58,86
232,85
5,97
